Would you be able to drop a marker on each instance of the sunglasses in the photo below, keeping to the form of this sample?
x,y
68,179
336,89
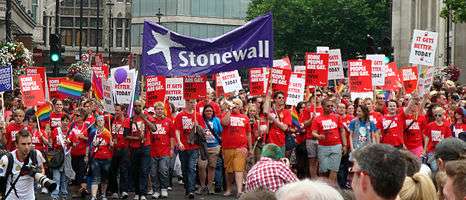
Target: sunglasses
x,y
438,115
77,115
352,172
280,97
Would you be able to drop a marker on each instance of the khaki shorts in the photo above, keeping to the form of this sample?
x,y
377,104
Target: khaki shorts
x,y
212,155
234,160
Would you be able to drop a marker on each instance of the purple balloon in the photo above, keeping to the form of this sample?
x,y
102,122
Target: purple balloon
x,y
120,75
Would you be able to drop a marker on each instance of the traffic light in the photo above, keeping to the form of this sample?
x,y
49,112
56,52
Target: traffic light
x,y
55,48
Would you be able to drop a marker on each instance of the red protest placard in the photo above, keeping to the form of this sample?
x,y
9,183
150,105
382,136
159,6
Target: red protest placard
x,y
194,87
281,80
283,63
256,82
155,90
53,87
409,76
316,69
360,75
31,90
392,79
43,76
100,71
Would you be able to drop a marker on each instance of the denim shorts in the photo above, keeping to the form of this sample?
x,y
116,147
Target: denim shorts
x,y
329,158
100,170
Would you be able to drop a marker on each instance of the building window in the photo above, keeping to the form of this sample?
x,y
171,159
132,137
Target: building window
x,y
69,3
67,36
78,37
66,21
119,38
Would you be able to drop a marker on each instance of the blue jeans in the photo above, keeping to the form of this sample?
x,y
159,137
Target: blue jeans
x,y
62,183
432,162
100,170
219,173
160,173
140,165
188,160
120,166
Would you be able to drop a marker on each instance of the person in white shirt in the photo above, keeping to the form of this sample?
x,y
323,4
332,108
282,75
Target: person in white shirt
x,y
24,187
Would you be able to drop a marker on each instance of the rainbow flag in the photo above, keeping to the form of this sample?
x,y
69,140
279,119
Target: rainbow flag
x,y
71,88
97,87
43,112
295,119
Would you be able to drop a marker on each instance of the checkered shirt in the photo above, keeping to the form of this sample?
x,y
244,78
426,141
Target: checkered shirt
x,y
269,174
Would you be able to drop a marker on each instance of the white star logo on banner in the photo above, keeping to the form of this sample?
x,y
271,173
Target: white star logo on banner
x,y
164,43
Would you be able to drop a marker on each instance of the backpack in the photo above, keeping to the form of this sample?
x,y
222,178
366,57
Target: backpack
x,y
9,169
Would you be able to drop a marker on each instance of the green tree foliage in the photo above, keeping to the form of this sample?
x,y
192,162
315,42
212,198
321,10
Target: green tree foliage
x,y
457,10
301,25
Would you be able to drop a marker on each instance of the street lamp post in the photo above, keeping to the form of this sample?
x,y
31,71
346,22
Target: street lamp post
x,y
159,15
110,22
8,20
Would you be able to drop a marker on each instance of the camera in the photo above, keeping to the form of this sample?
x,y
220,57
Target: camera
x,y
34,171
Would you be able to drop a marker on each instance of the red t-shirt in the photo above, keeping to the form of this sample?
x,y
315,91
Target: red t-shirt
x,y
161,138
103,150
37,140
307,114
276,135
413,137
10,133
345,121
201,104
90,120
234,135
55,119
55,140
459,128
80,145
376,118
184,122
392,130
118,129
139,127
328,125
436,134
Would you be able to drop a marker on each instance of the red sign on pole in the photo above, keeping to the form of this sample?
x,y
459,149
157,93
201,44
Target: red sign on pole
x,y
360,75
31,90
155,90
53,87
316,69
41,71
409,76
256,81
281,80
194,87
392,79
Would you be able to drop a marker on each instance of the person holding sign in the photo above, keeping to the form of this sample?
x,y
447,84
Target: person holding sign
x,y
185,121
236,144
280,121
329,130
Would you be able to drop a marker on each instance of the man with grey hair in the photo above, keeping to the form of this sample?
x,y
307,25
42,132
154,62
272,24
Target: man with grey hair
x,y
308,190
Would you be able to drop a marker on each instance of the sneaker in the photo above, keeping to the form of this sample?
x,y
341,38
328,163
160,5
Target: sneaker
x,y
211,190
136,197
191,195
103,198
143,197
44,190
180,182
124,195
150,192
156,195
115,196
164,193
169,188
199,191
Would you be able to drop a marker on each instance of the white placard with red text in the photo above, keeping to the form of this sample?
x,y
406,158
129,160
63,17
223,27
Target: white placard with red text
x,y
296,89
231,81
174,91
335,65
378,71
423,48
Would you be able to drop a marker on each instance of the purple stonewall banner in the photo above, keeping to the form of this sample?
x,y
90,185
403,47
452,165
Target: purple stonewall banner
x,y
166,53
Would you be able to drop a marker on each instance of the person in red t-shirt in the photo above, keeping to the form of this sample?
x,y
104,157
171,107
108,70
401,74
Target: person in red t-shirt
x,y
121,157
60,141
435,132
309,114
78,137
279,119
459,126
414,123
56,114
375,117
8,138
161,151
101,156
207,101
39,137
345,163
393,126
302,163
236,139
185,121
328,129
138,133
